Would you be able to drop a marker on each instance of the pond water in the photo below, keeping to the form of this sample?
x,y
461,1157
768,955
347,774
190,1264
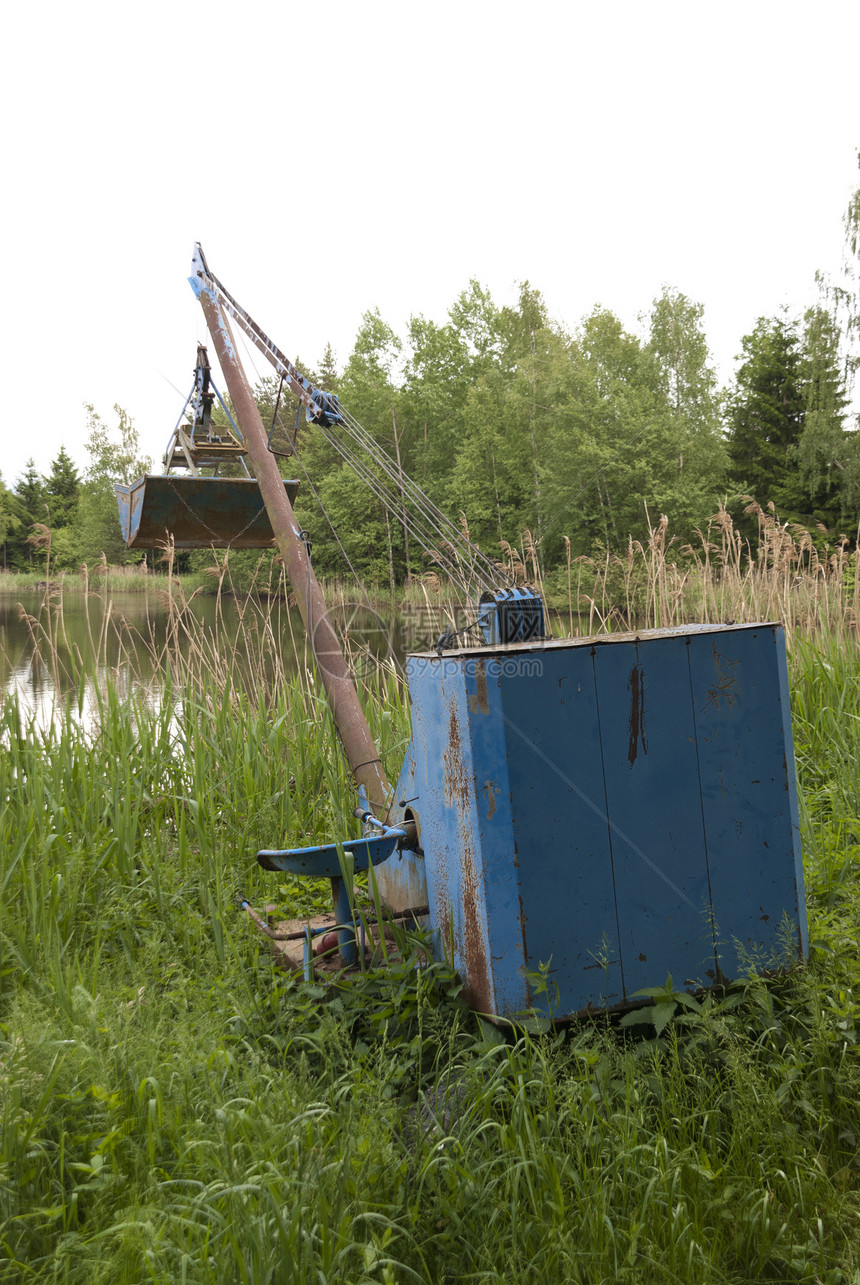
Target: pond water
x,y
46,639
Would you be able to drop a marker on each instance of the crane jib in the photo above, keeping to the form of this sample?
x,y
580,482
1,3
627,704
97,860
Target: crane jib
x,y
320,407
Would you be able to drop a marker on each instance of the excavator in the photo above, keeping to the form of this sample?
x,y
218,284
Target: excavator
x,y
608,811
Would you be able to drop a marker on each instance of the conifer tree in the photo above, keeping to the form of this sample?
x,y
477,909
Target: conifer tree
x,y
766,416
30,506
9,520
62,487
826,453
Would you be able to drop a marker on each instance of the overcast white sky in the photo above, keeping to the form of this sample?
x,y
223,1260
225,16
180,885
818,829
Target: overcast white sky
x,y
334,157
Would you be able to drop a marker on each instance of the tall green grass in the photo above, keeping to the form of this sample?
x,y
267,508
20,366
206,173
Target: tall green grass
x,y
175,1109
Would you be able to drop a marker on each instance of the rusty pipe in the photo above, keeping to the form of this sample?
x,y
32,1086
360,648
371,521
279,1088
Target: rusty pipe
x,y
359,746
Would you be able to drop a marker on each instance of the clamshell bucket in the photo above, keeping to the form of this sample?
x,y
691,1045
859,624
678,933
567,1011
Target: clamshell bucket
x,y
196,512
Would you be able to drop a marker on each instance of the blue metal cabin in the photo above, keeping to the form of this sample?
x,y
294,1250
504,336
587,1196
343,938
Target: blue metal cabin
x,y
623,807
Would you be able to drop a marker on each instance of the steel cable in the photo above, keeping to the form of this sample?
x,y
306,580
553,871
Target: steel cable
x,y
424,536
477,565
424,533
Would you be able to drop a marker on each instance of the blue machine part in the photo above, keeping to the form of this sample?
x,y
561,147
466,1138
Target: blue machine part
x,y
511,616
327,405
623,807
323,861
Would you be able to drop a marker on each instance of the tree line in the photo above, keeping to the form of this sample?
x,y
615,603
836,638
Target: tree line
x,y
77,513
501,415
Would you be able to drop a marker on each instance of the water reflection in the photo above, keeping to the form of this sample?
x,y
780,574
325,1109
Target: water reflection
x,y
139,640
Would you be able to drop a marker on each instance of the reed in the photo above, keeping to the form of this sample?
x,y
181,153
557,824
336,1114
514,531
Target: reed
x,y
812,588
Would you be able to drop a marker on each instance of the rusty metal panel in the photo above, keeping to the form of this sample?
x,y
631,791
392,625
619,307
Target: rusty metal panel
x,y
567,880
621,807
493,863
448,805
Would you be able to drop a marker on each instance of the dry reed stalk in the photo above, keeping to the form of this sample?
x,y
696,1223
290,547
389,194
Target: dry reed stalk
x,y
785,576
569,596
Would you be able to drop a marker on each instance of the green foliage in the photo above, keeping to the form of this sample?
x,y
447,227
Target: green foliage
x,y
114,453
114,456
842,297
78,520
618,448
827,454
575,444
689,384
30,491
363,525
172,1106
501,417
10,520
787,441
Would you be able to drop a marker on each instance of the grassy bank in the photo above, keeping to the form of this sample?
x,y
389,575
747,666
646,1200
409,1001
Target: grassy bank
x,y
261,577
174,1110
102,579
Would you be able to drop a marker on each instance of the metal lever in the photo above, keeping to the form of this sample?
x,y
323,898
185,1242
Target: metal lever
x,y
389,831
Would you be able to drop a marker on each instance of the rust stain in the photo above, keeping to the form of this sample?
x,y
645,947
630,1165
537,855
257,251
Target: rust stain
x,y
481,684
490,791
454,775
523,919
443,918
726,687
636,725
477,989
459,791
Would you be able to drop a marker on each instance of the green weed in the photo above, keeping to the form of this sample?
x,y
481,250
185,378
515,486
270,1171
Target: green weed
x,y
174,1108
